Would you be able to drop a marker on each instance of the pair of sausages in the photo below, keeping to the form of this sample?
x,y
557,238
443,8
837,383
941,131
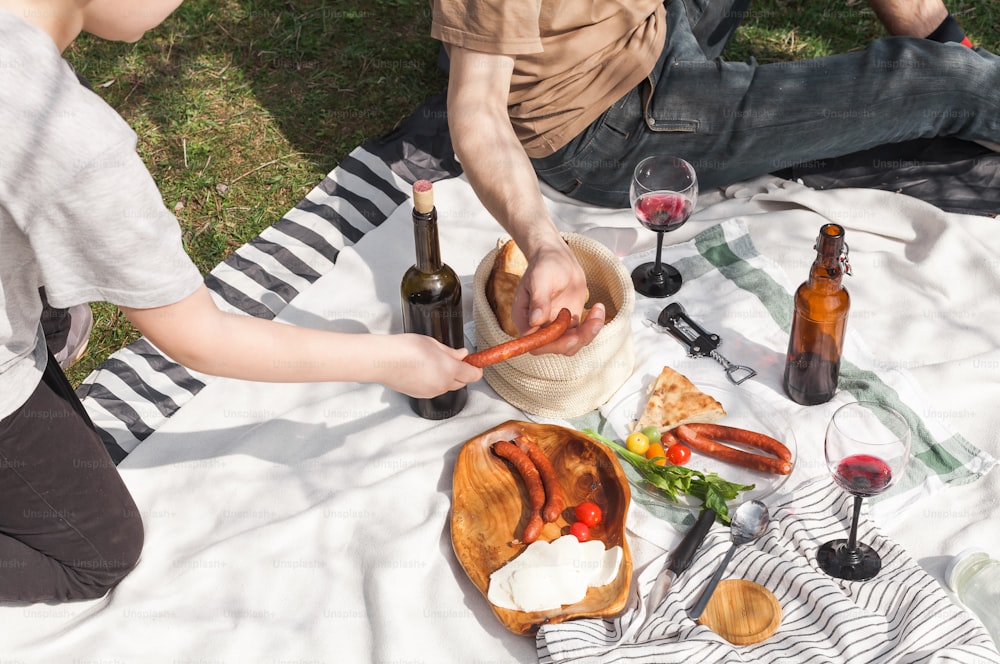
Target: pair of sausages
x,y
545,494
529,342
705,438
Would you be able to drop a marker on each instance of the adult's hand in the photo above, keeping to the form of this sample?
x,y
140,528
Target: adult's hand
x,y
505,182
554,280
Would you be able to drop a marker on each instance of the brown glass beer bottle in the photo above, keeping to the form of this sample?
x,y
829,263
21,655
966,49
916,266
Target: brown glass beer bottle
x,y
819,323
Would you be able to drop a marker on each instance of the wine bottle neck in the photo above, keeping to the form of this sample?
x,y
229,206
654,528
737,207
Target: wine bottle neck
x,y
425,236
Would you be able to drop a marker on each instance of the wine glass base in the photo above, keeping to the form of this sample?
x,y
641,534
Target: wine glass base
x,y
838,561
647,282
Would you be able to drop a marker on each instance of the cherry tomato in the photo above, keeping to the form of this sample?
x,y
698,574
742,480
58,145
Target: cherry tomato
x,y
637,442
656,450
653,433
580,530
678,454
588,513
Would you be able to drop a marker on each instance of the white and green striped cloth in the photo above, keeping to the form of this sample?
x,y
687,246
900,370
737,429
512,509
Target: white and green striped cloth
x,y
903,615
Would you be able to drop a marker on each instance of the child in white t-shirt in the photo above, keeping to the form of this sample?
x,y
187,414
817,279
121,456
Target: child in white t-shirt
x,y
81,218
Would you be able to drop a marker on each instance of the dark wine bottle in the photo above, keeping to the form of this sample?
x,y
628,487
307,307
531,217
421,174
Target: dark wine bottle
x,y
431,295
819,323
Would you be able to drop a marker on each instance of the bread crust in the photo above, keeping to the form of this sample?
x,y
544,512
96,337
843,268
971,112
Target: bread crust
x,y
501,285
674,400
509,266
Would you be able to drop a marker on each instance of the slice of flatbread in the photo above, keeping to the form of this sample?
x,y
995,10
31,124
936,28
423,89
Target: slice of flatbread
x,y
674,400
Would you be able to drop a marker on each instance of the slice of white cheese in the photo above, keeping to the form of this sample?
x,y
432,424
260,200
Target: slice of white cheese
x,y
548,575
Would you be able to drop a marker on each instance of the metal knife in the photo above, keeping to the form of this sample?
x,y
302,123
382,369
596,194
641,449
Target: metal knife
x,y
681,559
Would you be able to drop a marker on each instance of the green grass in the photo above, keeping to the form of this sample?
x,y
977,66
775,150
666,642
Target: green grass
x,y
241,107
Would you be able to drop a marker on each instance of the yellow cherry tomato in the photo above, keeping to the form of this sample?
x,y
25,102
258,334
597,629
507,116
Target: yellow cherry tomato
x,y
637,442
656,450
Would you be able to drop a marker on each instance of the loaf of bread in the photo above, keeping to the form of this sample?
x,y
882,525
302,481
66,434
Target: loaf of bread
x,y
507,270
509,267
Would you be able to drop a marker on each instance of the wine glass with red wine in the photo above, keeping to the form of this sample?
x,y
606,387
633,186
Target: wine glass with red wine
x,y
867,448
663,194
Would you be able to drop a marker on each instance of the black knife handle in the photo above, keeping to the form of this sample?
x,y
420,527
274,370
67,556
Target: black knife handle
x,y
684,553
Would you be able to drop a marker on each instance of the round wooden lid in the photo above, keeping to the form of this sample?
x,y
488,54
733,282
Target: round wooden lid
x,y
742,612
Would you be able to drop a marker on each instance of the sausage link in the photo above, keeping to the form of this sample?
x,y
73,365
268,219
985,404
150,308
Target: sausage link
x,y
532,483
555,499
706,445
508,349
752,438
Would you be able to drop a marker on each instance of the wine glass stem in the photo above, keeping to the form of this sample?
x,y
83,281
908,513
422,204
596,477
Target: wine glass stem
x,y
852,542
658,267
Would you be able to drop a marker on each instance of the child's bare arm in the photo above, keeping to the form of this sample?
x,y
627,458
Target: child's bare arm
x,y
197,334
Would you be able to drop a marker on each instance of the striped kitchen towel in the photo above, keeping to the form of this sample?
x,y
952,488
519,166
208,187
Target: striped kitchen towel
x,y
901,616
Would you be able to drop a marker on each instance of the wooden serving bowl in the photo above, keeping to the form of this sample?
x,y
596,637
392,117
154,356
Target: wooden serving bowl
x,y
490,509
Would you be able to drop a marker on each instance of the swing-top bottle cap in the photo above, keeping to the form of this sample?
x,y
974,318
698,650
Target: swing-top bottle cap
x,y
835,232
423,196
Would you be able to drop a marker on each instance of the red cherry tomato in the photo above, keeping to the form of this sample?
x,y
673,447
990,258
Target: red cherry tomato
x,y
589,513
580,530
678,454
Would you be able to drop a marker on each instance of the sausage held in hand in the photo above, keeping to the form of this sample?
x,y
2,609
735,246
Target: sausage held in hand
x,y
529,342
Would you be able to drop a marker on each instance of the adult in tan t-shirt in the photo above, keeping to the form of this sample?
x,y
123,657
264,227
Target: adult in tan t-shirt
x,y
526,77
558,88
572,59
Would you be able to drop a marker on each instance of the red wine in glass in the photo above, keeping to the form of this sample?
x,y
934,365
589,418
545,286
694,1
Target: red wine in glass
x,y
863,475
867,448
663,210
663,193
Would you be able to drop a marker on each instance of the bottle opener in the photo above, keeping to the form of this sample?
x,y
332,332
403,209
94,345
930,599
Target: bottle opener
x,y
700,343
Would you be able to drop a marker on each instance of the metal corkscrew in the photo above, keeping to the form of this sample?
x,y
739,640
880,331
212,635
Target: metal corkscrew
x,y
674,319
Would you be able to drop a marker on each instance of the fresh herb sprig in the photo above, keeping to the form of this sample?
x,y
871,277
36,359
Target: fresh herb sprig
x,y
711,489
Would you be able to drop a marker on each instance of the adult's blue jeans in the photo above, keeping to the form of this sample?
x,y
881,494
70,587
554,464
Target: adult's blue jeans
x,y
737,120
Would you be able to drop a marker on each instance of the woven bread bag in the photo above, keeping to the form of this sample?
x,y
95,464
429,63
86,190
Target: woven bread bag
x,y
555,385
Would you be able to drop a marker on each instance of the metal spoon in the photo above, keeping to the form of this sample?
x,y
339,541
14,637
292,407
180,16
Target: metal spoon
x,y
749,522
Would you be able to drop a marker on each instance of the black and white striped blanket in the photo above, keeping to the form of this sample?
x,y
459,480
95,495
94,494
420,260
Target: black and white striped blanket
x,y
137,388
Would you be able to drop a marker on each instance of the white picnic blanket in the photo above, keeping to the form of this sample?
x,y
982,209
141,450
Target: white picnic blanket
x,y
309,523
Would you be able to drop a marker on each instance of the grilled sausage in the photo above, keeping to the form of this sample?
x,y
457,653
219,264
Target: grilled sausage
x,y
555,499
751,438
529,342
532,483
706,445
